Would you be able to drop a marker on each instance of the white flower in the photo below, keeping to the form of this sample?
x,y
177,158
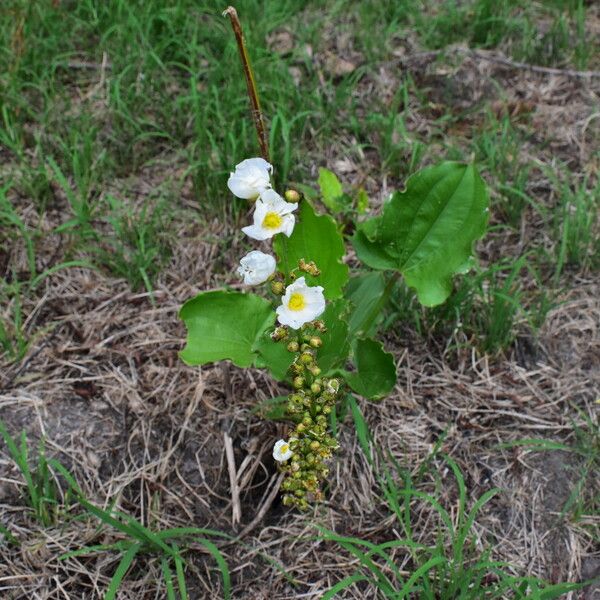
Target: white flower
x,y
256,267
282,451
300,304
251,177
272,214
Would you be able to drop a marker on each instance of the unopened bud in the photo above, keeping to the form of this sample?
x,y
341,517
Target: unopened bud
x,y
298,382
277,287
292,196
293,347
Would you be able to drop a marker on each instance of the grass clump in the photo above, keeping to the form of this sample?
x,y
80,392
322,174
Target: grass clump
x,y
455,567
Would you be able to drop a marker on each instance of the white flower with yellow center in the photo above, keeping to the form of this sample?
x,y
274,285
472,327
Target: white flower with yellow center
x,y
272,214
300,304
251,177
256,267
282,451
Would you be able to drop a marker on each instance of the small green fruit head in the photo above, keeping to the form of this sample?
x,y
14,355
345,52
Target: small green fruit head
x,y
280,333
315,341
298,382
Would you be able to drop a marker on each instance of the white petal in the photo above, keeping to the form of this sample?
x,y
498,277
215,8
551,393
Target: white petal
x,y
256,163
279,454
251,177
256,267
256,233
288,224
277,203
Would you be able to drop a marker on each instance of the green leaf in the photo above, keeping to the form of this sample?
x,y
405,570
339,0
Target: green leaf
x,y
224,325
427,231
331,190
315,237
334,351
362,201
272,355
375,374
366,294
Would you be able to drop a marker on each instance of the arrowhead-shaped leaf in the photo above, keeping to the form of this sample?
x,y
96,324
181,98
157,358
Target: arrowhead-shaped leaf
x,y
427,231
331,190
375,374
224,325
315,237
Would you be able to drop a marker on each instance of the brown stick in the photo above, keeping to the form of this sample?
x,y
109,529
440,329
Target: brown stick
x,y
250,82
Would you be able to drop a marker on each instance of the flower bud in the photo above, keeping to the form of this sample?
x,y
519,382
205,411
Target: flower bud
x,y
292,196
277,287
293,347
316,371
315,388
298,382
315,445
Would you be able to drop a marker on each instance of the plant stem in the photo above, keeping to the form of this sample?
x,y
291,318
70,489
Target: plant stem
x,y
250,82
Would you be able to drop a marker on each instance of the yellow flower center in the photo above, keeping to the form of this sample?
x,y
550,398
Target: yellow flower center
x,y
296,301
271,221
284,448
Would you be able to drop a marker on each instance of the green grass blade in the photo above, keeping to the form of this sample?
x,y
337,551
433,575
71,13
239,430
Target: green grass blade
x,y
179,564
121,546
222,564
122,568
177,532
168,578
343,584
430,564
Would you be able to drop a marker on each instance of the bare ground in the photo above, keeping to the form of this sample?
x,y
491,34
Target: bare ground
x,y
103,382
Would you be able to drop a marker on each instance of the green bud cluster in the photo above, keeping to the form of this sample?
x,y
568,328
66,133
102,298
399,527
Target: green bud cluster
x,y
309,404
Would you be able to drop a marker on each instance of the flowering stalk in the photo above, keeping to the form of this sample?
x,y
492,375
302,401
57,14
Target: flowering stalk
x,y
250,82
303,457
